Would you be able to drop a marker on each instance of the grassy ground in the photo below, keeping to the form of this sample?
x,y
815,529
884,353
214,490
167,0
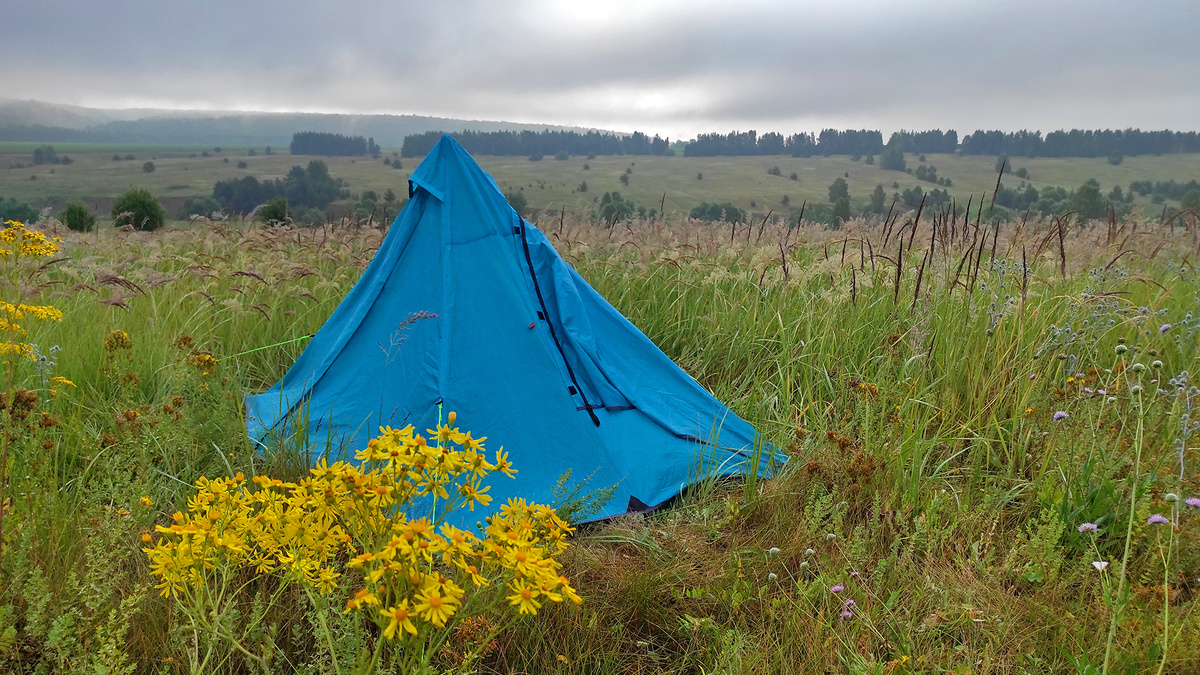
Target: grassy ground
x,y
551,185
929,480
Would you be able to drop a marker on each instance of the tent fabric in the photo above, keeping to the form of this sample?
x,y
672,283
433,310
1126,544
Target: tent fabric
x,y
520,346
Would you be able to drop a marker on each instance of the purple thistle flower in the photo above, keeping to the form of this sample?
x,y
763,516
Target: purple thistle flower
x,y
1157,519
1087,527
851,603
1060,415
1102,392
846,614
1164,328
1193,502
854,574
837,589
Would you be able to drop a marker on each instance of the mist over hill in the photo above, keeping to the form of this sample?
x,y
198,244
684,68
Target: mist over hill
x,y
54,123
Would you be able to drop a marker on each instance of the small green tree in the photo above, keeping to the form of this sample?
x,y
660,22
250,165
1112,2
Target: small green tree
x,y
138,208
77,217
389,196
148,167
518,202
838,190
1191,201
841,211
624,179
274,211
583,186
1087,201
878,197
892,158
561,155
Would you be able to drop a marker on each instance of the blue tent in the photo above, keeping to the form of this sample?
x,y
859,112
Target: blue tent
x,y
521,348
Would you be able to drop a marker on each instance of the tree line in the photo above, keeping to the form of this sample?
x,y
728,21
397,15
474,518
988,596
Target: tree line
x,y
331,145
1081,143
537,144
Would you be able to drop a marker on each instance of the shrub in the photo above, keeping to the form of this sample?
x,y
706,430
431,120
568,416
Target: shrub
x,y
77,217
139,208
1116,159
774,171
518,202
148,167
722,211
202,206
11,209
242,165
561,156
274,211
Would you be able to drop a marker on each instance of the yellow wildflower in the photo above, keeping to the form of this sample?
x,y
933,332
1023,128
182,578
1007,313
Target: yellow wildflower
x,y
524,598
434,606
398,618
362,598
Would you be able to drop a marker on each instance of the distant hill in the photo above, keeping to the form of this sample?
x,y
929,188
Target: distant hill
x,y
54,123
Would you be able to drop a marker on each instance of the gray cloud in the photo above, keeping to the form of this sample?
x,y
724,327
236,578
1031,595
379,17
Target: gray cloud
x,y
669,67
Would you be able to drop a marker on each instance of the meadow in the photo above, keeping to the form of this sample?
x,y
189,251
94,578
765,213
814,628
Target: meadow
x,y
668,184
991,435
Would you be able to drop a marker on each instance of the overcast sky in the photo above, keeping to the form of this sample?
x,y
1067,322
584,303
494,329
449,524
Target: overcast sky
x,y
672,67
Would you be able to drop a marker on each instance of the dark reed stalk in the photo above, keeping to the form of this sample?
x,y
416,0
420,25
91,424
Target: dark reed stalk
x,y
961,261
1062,249
996,191
920,275
899,271
995,238
917,221
978,260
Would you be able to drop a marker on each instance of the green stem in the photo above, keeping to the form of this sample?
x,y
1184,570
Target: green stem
x,y
1166,599
324,629
1120,595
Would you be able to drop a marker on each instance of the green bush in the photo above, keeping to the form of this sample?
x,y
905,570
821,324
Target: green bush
x,y
274,211
518,202
199,206
714,211
77,217
148,167
561,155
139,208
11,209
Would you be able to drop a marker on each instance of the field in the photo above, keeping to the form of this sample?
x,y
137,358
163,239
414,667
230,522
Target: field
x,y
954,423
550,185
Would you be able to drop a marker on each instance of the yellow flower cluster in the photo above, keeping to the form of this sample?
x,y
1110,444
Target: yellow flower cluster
x,y
411,569
16,239
17,242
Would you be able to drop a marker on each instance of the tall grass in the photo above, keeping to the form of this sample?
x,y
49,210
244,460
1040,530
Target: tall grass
x,y
911,371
